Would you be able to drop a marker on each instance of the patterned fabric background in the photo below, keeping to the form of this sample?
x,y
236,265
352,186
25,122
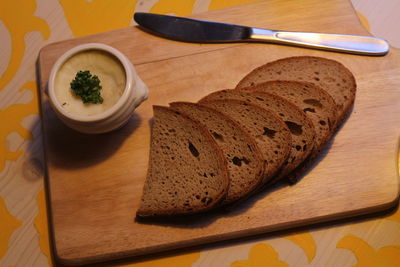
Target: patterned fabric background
x,y
28,25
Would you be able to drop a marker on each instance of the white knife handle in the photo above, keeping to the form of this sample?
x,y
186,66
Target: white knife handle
x,y
365,45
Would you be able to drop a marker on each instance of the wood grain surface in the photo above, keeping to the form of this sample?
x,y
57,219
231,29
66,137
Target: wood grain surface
x,y
95,182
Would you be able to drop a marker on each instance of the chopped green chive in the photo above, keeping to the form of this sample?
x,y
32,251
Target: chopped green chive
x,y
87,87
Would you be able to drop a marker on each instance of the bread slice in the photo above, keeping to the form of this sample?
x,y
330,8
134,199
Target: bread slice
x,y
300,126
328,74
314,101
245,161
187,170
269,131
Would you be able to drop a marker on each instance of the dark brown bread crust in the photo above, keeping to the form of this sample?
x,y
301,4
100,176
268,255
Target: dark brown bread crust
x,y
239,148
311,69
300,126
303,95
278,153
154,180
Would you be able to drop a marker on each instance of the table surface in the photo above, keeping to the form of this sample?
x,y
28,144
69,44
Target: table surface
x,y
28,25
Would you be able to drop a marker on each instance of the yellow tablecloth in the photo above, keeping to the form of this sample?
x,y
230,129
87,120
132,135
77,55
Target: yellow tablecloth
x,y
28,25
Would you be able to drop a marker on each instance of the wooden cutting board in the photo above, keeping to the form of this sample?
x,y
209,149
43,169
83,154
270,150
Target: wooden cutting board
x,y
95,181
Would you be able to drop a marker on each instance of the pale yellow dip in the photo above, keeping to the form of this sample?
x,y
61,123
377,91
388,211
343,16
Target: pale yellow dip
x,y
110,72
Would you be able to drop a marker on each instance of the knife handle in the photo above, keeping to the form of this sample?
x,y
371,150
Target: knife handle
x,y
355,44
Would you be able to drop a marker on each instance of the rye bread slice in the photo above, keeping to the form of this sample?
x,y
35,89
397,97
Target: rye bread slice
x,y
245,161
328,74
269,131
314,101
187,170
300,126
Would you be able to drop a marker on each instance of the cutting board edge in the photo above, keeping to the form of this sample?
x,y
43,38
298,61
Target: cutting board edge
x,y
181,247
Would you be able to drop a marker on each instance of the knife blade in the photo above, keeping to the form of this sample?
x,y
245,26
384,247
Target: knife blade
x,y
201,31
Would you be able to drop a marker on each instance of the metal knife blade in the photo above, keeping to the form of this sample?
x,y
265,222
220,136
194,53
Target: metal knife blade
x,y
200,31
191,30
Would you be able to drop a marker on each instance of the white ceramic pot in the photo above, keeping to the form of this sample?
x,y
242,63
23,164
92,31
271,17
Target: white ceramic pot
x,y
133,95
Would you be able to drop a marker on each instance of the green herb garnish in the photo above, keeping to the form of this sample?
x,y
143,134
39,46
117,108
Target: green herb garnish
x,y
87,86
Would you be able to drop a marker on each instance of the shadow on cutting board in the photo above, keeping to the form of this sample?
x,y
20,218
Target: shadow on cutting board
x,y
208,217
67,148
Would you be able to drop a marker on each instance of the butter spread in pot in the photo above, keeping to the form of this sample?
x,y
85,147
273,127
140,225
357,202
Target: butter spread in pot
x,y
109,70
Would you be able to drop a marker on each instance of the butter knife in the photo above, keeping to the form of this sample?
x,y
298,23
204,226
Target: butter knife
x,y
201,31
